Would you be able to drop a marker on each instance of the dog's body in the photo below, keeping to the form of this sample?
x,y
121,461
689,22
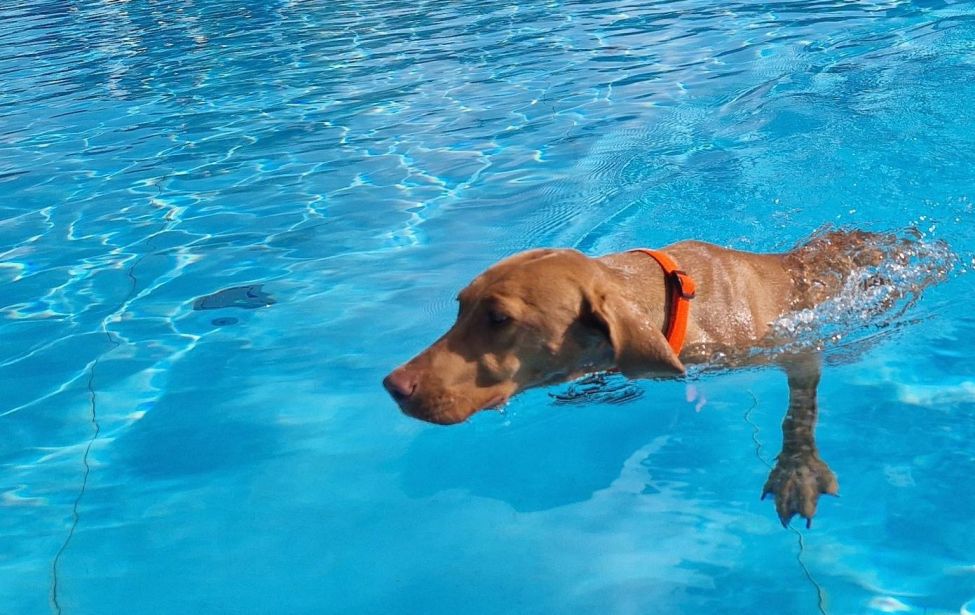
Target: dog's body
x,y
548,316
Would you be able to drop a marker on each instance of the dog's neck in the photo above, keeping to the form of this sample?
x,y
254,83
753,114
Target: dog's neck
x,y
641,283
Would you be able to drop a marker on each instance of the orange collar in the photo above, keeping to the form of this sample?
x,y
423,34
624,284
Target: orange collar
x,y
680,291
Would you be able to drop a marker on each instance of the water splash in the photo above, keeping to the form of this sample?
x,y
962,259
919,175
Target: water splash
x,y
598,388
873,299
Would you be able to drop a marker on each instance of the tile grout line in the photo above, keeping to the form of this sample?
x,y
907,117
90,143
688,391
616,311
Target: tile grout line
x,y
820,592
84,480
55,603
94,420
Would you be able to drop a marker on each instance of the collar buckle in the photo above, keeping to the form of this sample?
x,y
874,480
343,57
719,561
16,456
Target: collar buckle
x,y
683,284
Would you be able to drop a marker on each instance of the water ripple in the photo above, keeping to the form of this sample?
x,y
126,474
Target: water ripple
x,y
362,161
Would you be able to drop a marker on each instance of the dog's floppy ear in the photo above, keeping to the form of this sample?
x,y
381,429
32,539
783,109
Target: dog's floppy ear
x,y
640,349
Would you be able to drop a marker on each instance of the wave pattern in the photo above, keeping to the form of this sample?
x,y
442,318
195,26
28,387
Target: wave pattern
x,y
360,161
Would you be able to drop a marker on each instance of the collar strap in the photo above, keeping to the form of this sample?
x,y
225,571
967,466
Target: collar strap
x,y
680,291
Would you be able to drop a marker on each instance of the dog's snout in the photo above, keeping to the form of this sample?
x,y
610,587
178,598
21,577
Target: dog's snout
x,y
400,384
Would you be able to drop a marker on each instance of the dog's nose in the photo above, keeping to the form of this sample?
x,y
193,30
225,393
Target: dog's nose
x,y
400,385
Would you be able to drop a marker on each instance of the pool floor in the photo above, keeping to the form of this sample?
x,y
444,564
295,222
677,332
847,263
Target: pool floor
x,y
222,223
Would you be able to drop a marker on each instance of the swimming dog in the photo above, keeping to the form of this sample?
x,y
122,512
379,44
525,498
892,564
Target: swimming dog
x,y
547,316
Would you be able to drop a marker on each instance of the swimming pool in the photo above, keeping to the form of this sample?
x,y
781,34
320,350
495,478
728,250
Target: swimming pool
x,y
359,163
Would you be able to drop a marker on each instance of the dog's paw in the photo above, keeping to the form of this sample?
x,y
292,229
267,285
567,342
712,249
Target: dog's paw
x,y
797,482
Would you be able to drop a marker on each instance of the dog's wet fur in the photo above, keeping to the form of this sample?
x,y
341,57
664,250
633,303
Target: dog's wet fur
x,y
551,315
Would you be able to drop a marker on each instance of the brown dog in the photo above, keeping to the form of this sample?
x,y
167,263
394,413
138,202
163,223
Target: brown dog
x,y
547,316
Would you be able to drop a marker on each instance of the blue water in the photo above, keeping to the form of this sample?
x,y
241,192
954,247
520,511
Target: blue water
x,y
362,161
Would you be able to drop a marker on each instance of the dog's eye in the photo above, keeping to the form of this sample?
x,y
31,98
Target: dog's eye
x,y
498,318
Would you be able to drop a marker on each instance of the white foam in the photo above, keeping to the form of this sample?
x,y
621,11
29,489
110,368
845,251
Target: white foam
x,y
862,306
932,395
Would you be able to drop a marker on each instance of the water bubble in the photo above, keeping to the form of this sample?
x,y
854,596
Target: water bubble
x,y
871,298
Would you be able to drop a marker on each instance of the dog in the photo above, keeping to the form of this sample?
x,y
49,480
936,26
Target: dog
x,y
548,316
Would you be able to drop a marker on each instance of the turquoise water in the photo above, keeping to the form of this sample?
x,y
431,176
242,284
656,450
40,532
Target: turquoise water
x,y
360,162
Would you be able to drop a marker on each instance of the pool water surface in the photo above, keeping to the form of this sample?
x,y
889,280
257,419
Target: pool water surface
x,y
223,222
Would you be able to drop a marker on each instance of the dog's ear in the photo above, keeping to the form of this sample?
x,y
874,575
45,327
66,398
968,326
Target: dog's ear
x,y
640,349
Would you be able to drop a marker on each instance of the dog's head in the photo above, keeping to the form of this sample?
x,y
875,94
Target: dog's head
x,y
536,318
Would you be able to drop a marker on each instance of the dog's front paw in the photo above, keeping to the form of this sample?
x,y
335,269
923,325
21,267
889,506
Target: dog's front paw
x,y
797,480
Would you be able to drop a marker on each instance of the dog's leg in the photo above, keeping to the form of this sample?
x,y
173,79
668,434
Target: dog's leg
x,y
799,475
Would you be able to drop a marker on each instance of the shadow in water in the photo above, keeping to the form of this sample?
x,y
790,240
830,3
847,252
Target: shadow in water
x,y
247,297
524,465
202,422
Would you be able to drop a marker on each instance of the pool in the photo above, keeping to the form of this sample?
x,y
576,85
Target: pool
x,y
222,223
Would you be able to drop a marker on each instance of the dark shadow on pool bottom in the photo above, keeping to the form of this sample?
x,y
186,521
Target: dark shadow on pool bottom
x,y
176,441
537,465
200,425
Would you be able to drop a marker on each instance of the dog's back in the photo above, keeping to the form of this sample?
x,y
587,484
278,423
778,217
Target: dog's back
x,y
822,267
846,282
